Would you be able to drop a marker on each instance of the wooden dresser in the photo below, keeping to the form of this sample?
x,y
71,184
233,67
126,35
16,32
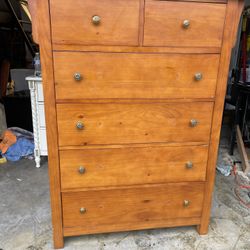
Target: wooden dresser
x,y
134,93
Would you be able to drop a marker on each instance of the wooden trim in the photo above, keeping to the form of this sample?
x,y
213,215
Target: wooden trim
x,y
115,187
128,186
141,145
242,151
135,101
134,145
228,38
158,224
141,22
43,16
134,49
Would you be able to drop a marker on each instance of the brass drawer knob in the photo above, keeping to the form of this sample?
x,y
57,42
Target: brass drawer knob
x,y
96,20
193,123
79,125
78,76
186,203
83,210
198,76
186,24
82,170
189,165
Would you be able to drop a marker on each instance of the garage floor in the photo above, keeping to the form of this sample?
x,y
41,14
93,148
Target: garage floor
x,y
25,219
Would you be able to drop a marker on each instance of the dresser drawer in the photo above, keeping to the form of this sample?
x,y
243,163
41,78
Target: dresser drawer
x,y
114,209
184,24
94,22
125,75
130,166
113,123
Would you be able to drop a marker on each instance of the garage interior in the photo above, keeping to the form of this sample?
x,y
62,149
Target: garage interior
x,y
25,213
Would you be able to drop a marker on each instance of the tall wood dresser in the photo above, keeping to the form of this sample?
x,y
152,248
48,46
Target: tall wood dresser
x,y
134,93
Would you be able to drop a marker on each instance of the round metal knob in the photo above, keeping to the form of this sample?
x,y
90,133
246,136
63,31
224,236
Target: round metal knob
x,y
82,170
83,210
78,76
198,76
186,203
189,164
79,125
186,24
96,20
193,123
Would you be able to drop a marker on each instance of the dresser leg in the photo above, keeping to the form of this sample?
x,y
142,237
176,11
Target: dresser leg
x,y
203,228
58,241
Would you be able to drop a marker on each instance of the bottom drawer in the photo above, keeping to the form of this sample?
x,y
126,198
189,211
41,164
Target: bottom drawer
x,y
130,208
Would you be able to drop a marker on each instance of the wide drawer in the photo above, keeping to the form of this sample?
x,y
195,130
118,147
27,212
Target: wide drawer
x,y
130,166
125,123
127,75
94,22
176,23
130,207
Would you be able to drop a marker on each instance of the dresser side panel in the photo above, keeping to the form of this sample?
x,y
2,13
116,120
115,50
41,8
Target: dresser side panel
x,y
41,15
232,18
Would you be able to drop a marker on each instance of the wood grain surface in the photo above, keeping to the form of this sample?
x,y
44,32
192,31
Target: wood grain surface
x,y
164,19
131,75
135,49
72,23
130,166
133,123
135,100
232,20
175,222
120,208
40,15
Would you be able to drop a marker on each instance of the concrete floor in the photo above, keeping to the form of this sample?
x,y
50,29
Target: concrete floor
x,y
25,219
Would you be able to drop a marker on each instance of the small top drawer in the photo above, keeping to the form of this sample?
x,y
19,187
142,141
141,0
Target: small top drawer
x,y
94,22
184,24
